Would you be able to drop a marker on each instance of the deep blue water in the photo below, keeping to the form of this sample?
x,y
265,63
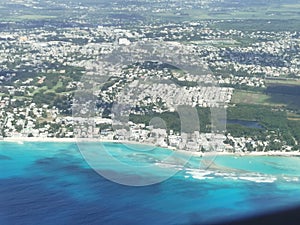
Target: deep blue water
x,y
50,183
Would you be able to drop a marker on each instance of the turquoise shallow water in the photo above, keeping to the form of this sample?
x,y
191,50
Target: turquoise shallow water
x,y
51,183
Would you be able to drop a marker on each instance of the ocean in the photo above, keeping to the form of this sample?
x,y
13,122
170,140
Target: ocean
x,y
51,183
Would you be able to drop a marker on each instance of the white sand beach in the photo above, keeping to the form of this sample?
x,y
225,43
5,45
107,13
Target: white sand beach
x,y
37,139
78,140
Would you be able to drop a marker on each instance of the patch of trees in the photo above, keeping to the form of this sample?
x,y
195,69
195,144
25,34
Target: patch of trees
x,y
62,102
173,121
294,127
272,119
44,98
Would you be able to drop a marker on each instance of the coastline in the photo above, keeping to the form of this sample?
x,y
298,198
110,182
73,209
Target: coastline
x,y
199,154
37,139
241,154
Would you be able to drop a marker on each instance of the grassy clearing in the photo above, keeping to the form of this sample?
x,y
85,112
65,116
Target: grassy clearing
x,y
217,43
259,23
34,17
273,12
283,82
58,85
199,14
258,98
40,90
250,97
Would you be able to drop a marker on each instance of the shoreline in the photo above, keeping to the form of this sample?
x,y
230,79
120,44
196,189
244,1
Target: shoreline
x,y
37,139
200,154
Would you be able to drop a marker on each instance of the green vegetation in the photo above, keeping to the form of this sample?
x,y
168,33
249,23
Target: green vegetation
x,y
271,11
276,96
250,97
185,83
291,102
34,17
44,98
272,82
294,127
286,94
254,24
267,116
276,109
173,121
274,121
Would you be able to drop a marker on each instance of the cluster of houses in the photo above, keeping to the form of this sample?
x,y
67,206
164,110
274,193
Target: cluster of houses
x,y
47,51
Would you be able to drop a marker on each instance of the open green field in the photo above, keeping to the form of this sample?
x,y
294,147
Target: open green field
x,y
271,12
255,24
259,98
34,17
217,43
268,11
250,97
26,17
290,102
283,82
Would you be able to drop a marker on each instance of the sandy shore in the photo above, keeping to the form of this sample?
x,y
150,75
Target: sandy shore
x,y
72,140
241,154
215,154
273,153
208,154
37,139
